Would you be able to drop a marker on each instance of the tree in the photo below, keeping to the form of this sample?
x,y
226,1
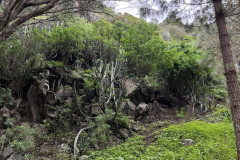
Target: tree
x,y
210,11
230,70
13,13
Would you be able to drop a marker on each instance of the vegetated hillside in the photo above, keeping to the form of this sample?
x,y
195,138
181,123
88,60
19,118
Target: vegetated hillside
x,y
69,90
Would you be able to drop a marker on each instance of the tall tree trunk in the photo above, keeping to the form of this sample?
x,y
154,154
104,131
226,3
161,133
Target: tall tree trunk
x,y
230,70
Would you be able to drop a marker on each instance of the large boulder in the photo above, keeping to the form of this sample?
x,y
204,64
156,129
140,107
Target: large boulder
x,y
130,86
6,153
141,94
35,97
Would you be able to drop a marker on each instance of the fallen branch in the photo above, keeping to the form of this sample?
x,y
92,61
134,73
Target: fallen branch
x,y
76,150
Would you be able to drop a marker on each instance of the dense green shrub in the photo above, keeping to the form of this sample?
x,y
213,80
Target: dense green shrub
x,y
19,58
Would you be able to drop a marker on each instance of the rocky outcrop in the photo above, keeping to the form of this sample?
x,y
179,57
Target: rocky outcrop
x,y
35,97
141,110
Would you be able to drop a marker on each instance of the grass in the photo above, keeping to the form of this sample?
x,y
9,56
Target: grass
x,y
214,140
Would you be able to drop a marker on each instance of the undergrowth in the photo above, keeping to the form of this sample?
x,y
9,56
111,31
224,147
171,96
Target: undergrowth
x,y
214,140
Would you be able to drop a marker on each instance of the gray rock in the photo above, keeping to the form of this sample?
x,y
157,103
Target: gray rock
x,y
83,157
130,86
7,151
2,132
16,156
51,97
5,112
187,142
52,114
64,148
136,128
141,110
129,108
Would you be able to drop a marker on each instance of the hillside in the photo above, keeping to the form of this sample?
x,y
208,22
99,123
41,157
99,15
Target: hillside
x,y
115,87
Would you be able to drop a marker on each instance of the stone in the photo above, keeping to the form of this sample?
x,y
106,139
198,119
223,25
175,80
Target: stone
x,y
51,97
129,108
187,142
64,148
130,86
5,112
16,103
35,97
7,151
163,100
16,156
2,132
84,157
141,110
141,94
136,128
52,114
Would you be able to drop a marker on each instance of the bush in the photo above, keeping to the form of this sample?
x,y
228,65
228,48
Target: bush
x,y
5,97
19,58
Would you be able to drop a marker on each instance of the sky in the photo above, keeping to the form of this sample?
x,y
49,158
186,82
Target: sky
x,y
125,6
132,7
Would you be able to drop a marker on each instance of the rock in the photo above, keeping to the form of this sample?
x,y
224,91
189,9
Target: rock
x,y
163,100
16,103
17,116
130,86
2,132
64,148
22,108
51,97
129,108
141,94
158,107
16,156
141,110
187,142
35,97
5,112
7,151
43,87
84,157
136,128
52,114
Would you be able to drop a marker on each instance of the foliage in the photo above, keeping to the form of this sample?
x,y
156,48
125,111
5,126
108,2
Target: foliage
x,y
212,141
5,97
63,43
18,60
21,137
131,149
